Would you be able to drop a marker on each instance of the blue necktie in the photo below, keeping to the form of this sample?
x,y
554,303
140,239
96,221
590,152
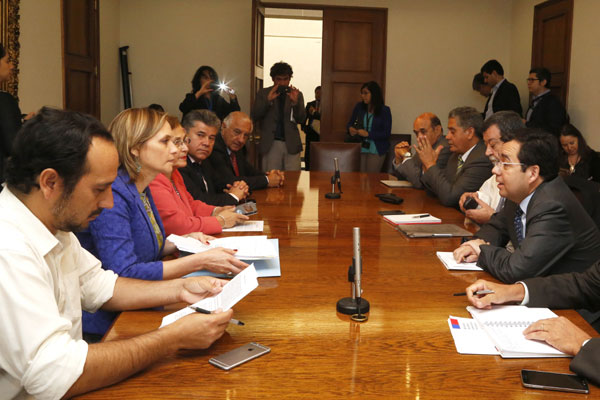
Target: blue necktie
x,y
519,224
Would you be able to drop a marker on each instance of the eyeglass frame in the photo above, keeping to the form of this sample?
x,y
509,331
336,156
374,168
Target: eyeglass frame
x,y
533,79
502,164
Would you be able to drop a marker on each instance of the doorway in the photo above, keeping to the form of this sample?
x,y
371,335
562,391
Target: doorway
x,y
296,37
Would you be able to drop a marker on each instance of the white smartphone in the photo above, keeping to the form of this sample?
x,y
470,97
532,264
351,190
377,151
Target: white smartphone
x,y
239,356
554,381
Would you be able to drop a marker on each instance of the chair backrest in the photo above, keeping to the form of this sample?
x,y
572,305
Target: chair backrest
x,y
587,192
322,154
395,138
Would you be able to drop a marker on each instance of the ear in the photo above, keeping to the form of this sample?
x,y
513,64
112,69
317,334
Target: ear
x,y
438,130
470,132
544,83
135,152
50,183
533,173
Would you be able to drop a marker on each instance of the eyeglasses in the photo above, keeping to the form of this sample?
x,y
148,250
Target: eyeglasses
x,y
503,164
532,79
179,142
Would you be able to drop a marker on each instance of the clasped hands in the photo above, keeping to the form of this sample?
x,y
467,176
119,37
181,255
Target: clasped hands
x,y
559,332
239,189
275,178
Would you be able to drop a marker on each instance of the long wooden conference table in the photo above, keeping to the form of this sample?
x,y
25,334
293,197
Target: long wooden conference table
x,y
404,350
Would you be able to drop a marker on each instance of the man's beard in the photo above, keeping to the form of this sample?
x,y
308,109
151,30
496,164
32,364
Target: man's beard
x,y
66,221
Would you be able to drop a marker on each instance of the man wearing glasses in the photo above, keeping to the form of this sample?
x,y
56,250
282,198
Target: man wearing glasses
x,y
229,161
545,109
550,230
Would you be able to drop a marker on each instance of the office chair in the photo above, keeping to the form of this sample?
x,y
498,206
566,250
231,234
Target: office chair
x,y
322,154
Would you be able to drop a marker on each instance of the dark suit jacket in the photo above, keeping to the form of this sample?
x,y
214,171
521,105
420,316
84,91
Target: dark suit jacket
x,y
10,123
506,98
265,114
574,290
192,177
448,185
223,172
412,169
548,114
560,237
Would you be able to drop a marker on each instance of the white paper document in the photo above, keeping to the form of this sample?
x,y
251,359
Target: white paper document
x,y
235,290
396,184
450,263
248,247
412,219
469,338
247,226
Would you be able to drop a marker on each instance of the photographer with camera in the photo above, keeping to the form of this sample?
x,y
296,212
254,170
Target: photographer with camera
x,y
276,112
371,125
206,94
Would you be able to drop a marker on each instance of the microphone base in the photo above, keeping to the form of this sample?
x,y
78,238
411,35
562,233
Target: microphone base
x,y
333,195
349,306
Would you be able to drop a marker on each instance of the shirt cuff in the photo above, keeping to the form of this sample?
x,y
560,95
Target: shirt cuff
x,y
234,196
526,297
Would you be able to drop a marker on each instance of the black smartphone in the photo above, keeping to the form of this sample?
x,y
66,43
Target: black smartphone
x,y
470,203
554,381
390,212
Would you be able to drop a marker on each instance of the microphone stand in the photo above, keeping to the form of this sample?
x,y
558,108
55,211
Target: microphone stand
x,y
335,179
355,305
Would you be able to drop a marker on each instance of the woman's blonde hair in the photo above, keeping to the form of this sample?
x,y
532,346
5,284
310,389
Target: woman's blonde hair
x,y
131,129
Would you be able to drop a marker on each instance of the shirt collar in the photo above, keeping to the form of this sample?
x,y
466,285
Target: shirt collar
x,y
16,213
465,155
191,159
540,95
497,85
525,202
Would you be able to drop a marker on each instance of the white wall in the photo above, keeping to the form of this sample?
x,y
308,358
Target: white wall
x,y
110,88
169,40
299,43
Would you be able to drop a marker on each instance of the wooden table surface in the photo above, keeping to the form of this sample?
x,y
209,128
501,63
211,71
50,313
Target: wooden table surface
x,y
404,350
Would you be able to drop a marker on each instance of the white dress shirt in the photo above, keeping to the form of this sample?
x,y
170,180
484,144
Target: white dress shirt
x,y
45,281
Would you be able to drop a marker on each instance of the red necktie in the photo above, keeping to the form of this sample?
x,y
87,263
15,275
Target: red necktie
x,y
234,163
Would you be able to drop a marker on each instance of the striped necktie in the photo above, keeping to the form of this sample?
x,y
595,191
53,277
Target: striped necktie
x,y
460,164
519,224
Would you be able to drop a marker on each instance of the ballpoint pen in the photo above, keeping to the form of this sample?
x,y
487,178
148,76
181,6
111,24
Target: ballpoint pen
x,y
477,293
421,216
203,311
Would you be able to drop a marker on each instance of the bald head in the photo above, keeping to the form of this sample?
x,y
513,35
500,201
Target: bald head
x,y
236,130
428,125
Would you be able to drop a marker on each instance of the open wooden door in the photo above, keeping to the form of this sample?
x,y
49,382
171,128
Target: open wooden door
x,y
256,72
354,52
552,27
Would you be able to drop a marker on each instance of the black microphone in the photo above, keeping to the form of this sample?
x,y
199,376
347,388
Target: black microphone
x,y
335,179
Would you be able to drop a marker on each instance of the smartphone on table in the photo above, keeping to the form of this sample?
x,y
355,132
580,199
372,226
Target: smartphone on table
x,y
554,381
239,356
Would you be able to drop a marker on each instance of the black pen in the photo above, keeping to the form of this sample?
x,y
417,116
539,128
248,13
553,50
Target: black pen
x,y
203,311
421,216
477,293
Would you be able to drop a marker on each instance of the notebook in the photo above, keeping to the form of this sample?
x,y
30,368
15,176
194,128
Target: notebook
x,y
396,184
412,219
433,230
450,263
504,326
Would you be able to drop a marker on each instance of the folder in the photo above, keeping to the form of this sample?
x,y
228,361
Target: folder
x,y
433,230
396,184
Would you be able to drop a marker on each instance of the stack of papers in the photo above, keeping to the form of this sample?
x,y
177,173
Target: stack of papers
x,y
248,247
501,328
247,226
450,263
412,219
232,292
396,184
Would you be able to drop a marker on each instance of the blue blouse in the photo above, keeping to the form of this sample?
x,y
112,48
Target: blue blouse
x,y
380,129
124,240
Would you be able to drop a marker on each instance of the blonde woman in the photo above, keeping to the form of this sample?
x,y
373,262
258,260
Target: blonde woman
x,y
129,238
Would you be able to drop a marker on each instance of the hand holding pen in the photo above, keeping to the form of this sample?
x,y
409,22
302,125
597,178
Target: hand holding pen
x,y
484,294
203,311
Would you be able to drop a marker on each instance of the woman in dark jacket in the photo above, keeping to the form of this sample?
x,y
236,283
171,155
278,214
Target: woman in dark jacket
x,y
371,125
206,94
576,157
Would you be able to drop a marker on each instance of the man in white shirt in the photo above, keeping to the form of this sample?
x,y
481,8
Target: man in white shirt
x,y
496,129
59,179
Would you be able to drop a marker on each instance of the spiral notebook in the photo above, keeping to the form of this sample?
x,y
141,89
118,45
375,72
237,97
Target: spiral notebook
x,y
504,325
